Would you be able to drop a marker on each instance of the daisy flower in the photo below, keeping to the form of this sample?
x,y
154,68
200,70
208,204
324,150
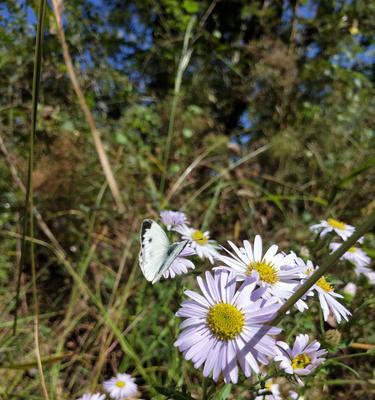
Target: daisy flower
x,y
275,272
271,391
89,396
181,264
331,224
225,327
173,219
350,289
326,293
294,395
367,272
121,387
200,242
355,255
303,358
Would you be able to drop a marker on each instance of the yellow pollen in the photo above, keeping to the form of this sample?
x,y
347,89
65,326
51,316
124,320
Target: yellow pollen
x,y
267,272
120,384
324,284
336,224
301,361
352,249
225,321
199,237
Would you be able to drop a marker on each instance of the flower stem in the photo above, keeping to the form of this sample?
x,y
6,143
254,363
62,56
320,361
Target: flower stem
x,y
204,389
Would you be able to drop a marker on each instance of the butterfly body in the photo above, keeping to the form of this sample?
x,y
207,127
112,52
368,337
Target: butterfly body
x,y
157,253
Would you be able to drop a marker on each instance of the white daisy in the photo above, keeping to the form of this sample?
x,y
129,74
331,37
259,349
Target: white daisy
x,y
367,272
200,242
225,327
355,255
303,358
350,289
331,224
326,293
359,258
173,219
89,396
271,391
276,272
181,264
121,387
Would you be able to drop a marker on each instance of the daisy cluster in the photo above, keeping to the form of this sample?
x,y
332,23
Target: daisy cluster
x,y
226,327
120,387
355,255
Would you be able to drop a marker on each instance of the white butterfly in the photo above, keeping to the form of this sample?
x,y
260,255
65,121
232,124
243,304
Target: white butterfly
x,y
157,253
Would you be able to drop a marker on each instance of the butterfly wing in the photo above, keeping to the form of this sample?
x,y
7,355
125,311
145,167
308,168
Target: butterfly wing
x,y
157,254
154,249
174,251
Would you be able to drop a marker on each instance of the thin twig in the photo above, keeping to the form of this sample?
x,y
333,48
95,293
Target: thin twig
x,y
107,170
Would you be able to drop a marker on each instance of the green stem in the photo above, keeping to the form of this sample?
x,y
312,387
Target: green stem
x,y
204,389
28,198
345,356
328,262
344,382
182,65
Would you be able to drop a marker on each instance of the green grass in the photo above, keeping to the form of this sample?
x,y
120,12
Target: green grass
x,y
81,292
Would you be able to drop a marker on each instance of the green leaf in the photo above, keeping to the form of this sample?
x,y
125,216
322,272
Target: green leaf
x,y
121,138
225,392
368,164
68,125
190,6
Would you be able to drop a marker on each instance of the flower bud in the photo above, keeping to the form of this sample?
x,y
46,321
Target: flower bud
x,y
333,337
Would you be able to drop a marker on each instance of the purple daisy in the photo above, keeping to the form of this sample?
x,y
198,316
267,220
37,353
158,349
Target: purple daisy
x,y
303,358
181,264
173,219
225,327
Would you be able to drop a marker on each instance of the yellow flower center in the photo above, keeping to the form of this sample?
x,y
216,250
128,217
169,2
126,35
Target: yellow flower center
x,y
225,321
199,237
352,249
120,384
324,284
301,361
268,384
321,282
336,224
267,272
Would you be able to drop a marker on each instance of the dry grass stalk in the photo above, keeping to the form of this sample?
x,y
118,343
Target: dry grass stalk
x,y
58,11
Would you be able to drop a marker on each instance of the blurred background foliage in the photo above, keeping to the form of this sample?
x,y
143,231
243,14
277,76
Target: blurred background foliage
x,y
273,131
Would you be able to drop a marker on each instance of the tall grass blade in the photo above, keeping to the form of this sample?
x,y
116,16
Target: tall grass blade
x,y
184,62
28,196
